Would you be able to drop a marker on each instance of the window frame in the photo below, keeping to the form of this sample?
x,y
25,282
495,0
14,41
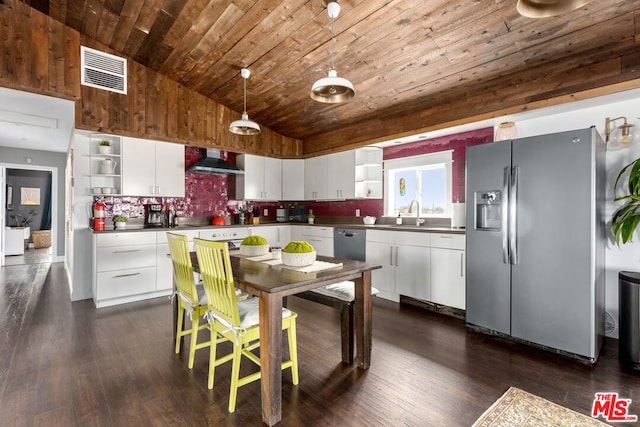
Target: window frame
x,y
423,161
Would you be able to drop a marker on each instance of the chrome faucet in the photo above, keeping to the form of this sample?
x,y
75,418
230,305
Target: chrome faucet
x,y
418,219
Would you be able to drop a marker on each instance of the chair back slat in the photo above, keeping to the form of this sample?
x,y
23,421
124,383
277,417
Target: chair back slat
x,y
182,268
217,276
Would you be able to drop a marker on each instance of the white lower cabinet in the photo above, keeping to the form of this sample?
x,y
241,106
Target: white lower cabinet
x,y
423,265
405,260
276,235
448,270
164,266
321,238
124,266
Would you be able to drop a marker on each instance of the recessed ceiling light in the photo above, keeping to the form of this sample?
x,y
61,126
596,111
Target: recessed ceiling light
x,y
422,136
397,142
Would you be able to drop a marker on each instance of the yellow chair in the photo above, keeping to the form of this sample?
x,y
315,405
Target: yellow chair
x,y
190,301
235,321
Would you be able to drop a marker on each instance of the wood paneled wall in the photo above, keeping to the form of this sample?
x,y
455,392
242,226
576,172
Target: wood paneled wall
x,y
41,55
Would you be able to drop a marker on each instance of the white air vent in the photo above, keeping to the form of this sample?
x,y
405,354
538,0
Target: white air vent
x,y
102,70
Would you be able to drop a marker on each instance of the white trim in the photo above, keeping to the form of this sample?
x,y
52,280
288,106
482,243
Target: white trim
x,y
414,162
54,202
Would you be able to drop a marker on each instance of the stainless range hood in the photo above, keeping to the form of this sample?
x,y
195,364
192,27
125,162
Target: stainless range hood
x,y
212,164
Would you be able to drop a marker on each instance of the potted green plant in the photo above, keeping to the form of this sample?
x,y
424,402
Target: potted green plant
x,y
626,218
105,147
120,221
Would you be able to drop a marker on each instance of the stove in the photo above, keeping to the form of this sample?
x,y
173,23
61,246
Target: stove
x,y
233,236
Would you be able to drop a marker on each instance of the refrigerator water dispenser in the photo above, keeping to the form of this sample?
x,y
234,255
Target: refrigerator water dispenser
x,y
488,210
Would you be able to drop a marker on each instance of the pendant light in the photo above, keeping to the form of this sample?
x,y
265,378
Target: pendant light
x,y
332,89
547,8
244,126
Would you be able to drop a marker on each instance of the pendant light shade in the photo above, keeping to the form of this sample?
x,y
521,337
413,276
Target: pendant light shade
x,y
332,89
244,126
547,8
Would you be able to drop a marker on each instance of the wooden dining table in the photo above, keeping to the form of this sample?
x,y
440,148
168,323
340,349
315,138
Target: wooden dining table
x,y
271,283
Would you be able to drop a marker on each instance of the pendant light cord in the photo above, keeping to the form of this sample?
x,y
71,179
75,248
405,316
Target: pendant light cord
x,y
333,45
244,81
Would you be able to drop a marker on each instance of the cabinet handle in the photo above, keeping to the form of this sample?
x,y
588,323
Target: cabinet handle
x,y
151,189
396,256
391,257
157,189
446,237
125,275
127,251
461,264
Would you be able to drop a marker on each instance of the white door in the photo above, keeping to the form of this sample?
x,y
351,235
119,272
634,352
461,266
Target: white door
x,y
447,277
383,254
251,184
341,175
413,271
272,179
293,179
315,178
138,167
169,169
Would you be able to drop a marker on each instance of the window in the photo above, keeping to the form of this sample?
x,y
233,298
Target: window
x,y
425,179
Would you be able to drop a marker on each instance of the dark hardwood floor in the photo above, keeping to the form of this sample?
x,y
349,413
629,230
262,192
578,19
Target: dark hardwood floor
x,y
68,364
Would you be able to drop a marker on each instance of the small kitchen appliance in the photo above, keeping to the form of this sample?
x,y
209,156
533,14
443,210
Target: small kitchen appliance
x,y
282,214
298,214
154,216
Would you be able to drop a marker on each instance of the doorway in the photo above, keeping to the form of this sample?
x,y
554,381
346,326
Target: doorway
x,y
28,223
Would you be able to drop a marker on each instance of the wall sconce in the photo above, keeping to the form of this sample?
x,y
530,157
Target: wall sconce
x,y
505,131
622,134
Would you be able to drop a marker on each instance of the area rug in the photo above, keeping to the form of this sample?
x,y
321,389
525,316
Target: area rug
x,y
519,408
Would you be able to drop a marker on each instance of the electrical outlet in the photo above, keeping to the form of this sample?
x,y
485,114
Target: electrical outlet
x,y
265,212
357,212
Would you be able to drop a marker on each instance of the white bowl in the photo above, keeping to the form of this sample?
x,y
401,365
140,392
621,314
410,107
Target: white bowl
x,y
254,250
107,190
97,190
369,220
298,259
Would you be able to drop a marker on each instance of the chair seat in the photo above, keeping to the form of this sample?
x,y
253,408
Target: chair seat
x,y
249,312
344,291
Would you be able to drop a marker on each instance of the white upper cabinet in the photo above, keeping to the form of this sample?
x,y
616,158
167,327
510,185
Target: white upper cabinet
x,y
341,175
152,168
315,178
354,174
293,179
262,179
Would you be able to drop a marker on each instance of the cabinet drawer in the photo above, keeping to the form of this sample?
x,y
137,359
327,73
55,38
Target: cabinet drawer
x,y
122,283
381,236
447,241
413,239
121,239
317,231
161,236
132,256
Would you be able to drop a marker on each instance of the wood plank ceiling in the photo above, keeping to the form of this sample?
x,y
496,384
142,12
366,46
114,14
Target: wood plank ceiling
x,y
415,64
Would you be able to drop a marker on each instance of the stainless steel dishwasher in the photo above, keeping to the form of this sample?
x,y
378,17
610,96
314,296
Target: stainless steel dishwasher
x,y
349,243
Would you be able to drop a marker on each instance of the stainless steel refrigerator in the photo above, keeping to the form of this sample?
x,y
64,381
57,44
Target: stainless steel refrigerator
x,y
536,240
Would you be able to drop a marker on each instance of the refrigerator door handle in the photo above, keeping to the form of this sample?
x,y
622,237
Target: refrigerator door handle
x,y
513,217
505,210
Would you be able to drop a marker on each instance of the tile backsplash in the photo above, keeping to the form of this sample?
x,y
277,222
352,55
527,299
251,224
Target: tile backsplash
x,y
208,195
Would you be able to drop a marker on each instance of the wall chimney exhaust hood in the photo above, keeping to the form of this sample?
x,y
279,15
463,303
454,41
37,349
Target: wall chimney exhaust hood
x,y
212,164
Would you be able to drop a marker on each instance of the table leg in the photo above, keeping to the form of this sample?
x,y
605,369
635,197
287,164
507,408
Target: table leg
x,y
271,357
363,313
